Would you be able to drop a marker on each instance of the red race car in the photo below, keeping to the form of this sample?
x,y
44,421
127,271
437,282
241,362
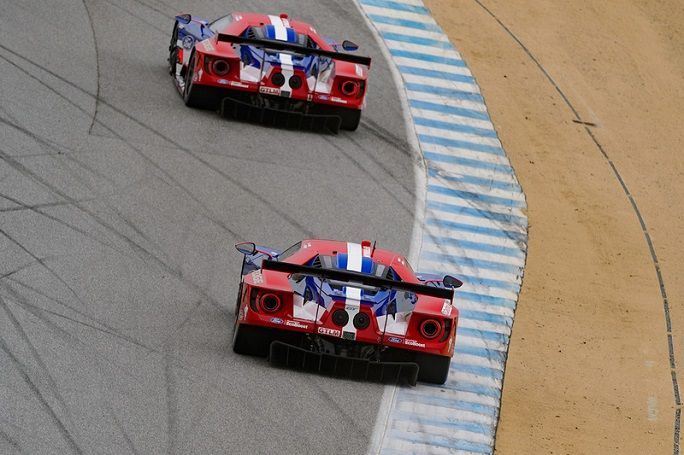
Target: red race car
x,y
345,309
268,69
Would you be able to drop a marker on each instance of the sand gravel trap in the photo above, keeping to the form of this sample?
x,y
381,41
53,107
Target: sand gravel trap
x,y
588,369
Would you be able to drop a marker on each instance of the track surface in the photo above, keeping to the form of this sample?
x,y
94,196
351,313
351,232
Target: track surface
x,y
118,211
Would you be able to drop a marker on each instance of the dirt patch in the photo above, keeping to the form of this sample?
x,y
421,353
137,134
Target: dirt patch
x,y
588,369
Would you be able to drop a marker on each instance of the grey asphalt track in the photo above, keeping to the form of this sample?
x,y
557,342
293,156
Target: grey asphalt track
x,y
118,211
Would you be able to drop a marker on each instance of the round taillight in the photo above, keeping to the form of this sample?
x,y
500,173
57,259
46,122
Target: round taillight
x,y
278,79
295,82
430,328
340,317
350,88
361,321
270,303
220,67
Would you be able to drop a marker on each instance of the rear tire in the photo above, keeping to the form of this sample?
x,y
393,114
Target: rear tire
x,y
251,340
195,95
350,118
433,368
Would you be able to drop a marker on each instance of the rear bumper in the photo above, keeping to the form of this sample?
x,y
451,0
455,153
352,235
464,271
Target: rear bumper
x,y
289,356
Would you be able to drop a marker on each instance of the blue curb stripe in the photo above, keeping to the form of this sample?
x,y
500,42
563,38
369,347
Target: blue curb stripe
x,y
404,23
475,229
420,71
396,6
450,110
447,126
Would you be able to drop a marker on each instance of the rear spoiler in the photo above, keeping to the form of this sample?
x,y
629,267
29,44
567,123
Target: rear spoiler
x,y
357,277
295,48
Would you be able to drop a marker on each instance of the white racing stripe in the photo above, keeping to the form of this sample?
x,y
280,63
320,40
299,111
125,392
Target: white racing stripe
x,y
352,294
286,64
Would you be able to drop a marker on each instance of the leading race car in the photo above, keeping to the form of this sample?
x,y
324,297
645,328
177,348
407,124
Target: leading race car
x,y
346,309
268,69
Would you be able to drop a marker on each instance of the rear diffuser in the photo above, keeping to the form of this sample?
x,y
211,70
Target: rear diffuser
x,y
288,356
239,110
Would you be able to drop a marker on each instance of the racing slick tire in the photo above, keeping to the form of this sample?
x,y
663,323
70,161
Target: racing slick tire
x,y
251,340
350,118
196,96
433,368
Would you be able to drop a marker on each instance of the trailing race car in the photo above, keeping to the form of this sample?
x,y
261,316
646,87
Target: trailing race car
x,y
345,309
268,69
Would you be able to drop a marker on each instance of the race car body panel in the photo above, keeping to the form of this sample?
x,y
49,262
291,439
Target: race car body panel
x,y
349,295
268,62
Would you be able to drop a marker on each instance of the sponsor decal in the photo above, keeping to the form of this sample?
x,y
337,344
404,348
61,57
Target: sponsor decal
x,y
324,97
338,100
269,90
451,342
188,41
394,340
223,82
257,277
207,45
237,84
359,70
446,307
414,343
327,331
276,321
296,324
241,314
309,97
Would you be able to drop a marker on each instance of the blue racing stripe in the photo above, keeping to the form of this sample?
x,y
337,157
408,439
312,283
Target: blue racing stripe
x,y
485,299
446,109
465,386
404,23
477,370
478,197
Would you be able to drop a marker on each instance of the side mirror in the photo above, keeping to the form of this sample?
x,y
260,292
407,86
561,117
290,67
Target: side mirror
x,y
184,18
451,282
246,248
349,46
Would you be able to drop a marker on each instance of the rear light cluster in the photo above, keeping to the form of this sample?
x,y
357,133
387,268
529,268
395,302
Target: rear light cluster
x,y
352,88
264,302
432,329
216,66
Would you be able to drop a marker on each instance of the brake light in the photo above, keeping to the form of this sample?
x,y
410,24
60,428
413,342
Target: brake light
x,y
431,328
220,67
269,303
350,88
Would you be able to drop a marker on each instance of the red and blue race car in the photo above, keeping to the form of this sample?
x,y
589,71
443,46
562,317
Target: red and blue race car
x,y
345,309
268,69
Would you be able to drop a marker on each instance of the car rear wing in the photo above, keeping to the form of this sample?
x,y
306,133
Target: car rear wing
x,y
294,48
350,277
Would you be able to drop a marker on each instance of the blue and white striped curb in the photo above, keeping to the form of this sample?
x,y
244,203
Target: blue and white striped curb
x,y
474,228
